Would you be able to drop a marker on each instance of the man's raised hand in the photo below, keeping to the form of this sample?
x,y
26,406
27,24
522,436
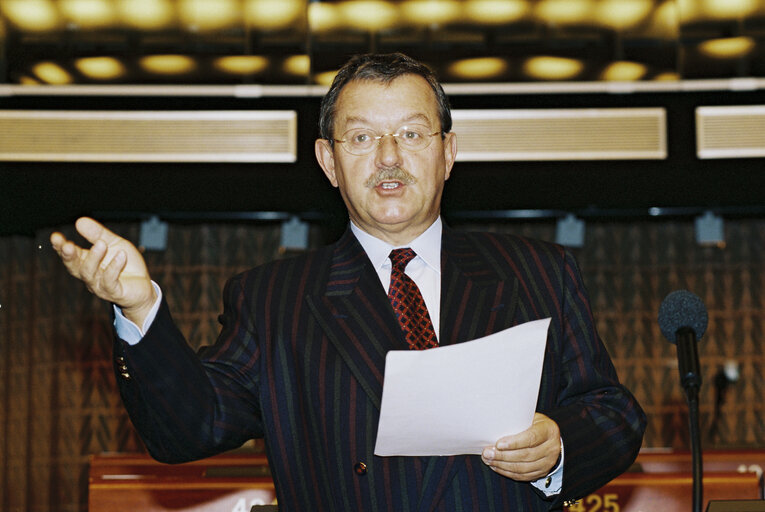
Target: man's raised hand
x,y
112,269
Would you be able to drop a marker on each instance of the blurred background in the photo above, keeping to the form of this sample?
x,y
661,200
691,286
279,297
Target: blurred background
x,y
302,42
673,56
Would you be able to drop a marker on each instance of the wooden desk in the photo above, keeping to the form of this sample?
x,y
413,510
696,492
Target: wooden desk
x,y
657,461
663,480
136,482
646,492
235,482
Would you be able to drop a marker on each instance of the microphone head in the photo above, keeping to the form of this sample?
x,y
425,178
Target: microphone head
x,y
679,309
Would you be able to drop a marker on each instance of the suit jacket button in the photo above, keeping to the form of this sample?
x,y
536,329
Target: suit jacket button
x,y
360,468
125,375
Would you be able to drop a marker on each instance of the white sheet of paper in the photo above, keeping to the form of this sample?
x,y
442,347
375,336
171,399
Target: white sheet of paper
x,y
459,399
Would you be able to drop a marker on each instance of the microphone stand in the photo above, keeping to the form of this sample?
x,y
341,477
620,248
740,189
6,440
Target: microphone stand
x,y
693,420
690,378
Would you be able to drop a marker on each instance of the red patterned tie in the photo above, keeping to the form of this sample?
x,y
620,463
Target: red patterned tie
x,y
408,303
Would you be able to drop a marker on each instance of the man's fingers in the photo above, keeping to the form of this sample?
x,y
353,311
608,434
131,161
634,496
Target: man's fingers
x,y
111,273
68,252
543,430
522,457
111,268
91,263
526,439
528,455
517,469
92,230
57,240
525,471
62,246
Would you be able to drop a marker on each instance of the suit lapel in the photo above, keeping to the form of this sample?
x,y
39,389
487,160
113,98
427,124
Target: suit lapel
x,y
356,316
478,298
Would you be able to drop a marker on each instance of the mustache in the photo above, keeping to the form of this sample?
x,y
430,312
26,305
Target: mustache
x,y
390,173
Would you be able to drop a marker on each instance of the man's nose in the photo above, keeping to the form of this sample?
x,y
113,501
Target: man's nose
x,y
388,149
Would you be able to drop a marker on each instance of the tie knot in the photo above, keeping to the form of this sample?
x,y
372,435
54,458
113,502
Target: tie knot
x,y
401,257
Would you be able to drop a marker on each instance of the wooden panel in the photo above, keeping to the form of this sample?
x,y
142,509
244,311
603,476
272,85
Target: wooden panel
x,y
636,492
192,495
130,465
136,482
659,481
662,480
654,461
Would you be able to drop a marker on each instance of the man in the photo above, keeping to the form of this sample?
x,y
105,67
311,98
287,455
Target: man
x,y
300,359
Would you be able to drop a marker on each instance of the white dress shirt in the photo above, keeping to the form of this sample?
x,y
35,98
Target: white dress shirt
x,y
424,269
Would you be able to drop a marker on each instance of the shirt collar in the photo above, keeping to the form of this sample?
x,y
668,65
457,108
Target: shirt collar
x,y
427,246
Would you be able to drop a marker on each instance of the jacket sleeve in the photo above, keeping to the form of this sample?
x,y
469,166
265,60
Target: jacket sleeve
x,y
601,422
185,405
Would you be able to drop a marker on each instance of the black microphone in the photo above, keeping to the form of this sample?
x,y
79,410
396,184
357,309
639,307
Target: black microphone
x,y
683,319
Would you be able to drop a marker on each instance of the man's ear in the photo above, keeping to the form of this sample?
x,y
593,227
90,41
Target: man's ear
x,y
326,157
450,153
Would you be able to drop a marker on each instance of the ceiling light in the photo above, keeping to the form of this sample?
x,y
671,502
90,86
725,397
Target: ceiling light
x,y
297,65
688,10
32,15
622,14
167,64
208,14
368,14
552,68
624,71
495,12
431,12
665,20
479,68
273,14
564,11
146,14
241,64
727,48
100,68
667,76
323,17
729,9
28,80
88,13
324,78
52,73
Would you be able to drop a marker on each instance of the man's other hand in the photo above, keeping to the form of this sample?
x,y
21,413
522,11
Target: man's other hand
x,y
529,455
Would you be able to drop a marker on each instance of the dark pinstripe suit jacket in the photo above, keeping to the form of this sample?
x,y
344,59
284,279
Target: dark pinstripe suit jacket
x,y
300,361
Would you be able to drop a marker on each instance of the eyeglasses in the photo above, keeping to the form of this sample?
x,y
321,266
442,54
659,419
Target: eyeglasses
x,y
412,138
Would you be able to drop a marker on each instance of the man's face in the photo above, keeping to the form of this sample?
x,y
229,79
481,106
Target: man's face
x,y
390,204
